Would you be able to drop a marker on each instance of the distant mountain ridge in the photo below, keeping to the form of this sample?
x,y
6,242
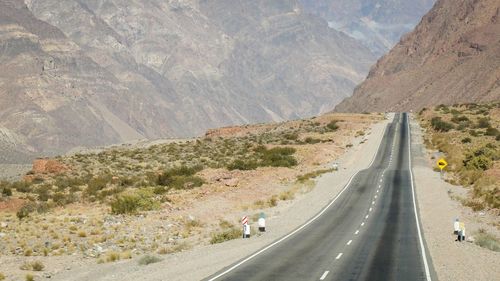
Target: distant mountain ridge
x,y
105,71
378,24
452,56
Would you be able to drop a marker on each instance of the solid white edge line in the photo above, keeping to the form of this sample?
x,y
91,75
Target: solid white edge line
x,y
305,224
424,256
324,275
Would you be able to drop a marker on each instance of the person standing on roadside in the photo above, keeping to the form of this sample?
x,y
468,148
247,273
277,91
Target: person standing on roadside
x,y
456,226
461,232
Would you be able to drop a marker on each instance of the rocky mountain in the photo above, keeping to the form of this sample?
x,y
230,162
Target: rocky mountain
x,y
97,72
378,24
452,56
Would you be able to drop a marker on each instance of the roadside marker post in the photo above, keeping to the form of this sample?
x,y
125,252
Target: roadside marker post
x,y
262,222
246,227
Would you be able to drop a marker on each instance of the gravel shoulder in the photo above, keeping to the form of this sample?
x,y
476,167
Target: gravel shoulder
x,y
202,261
452,260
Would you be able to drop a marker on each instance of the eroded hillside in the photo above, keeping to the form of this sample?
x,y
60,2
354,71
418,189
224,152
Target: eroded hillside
x,y
99,72
452,56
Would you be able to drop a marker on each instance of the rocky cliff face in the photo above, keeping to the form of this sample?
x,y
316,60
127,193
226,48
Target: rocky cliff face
x,y
104,71
452,56
378,24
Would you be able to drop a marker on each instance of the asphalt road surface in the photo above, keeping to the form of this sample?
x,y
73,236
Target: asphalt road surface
x,y
370,231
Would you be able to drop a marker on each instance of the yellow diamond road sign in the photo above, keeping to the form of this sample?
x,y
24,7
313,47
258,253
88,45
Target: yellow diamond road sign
x,y
442,163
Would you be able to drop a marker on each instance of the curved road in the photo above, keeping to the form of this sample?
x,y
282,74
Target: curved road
x,y
368,232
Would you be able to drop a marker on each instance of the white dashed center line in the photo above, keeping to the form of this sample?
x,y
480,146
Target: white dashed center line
x,y
338,256
362,223
349,243
356,233
324,275
366,216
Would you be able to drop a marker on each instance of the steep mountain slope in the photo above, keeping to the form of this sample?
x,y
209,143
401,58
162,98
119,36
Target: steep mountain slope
x,y
48,86
102,71
453,56
378,24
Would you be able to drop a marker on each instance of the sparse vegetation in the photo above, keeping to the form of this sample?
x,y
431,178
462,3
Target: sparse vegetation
x,y
486,240
228,232
133,199
311,175
34,266
473,158
148,259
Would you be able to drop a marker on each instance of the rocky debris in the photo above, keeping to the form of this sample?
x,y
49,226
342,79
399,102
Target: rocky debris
x,y
231,182
48,166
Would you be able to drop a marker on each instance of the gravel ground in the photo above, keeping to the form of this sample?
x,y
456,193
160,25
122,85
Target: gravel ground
x,y
452,260
203,261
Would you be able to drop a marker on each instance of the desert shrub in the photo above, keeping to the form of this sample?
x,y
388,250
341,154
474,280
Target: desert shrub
x,y
125,204
439,125
29,277
5,189
22,186
26,210
273,201
243,165
148,259
459,119
310,140
278,157
305,177
287,195
332,126
481,162
466,140
481,158
112,256
474,133
474,204
34,266
487,241
95,185
140,200
492,132
180,177
62,199
226,235
291,136
2,277
43,192
483,123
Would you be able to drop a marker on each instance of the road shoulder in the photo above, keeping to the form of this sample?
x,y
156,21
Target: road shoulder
x,y
452,260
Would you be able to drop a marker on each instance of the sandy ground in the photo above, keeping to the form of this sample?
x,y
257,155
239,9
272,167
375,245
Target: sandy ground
x,y
203,261
452,260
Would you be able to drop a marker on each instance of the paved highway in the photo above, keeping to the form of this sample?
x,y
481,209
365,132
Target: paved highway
x,y
370,231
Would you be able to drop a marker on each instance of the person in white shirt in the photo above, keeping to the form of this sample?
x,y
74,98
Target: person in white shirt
x,y
456,226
